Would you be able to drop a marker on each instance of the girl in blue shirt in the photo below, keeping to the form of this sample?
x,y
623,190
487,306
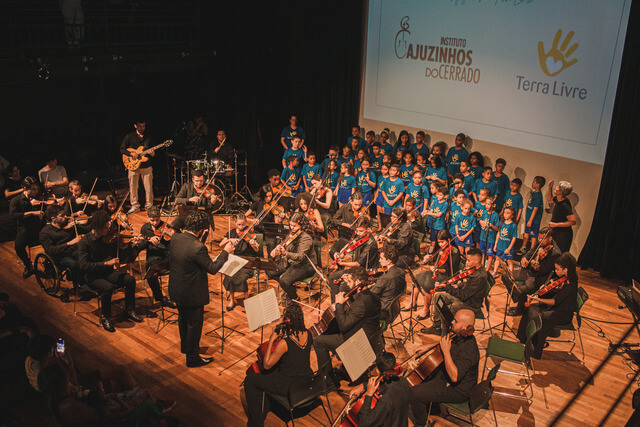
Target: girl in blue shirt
x,y
332,174
402,143
392,190
436,172
477,164
357,164
379,198
347,184
436,213
506,240
465,225
366,182
407,168
418,191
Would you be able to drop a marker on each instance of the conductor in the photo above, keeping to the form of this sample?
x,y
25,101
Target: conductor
x,y
189,284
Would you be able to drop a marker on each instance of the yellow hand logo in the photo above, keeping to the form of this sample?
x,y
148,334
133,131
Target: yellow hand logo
x,y
465,223
392,189
504,231
556,60
509,202
455,158
436,210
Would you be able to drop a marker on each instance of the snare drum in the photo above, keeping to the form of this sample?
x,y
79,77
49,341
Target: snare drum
x,y
198,165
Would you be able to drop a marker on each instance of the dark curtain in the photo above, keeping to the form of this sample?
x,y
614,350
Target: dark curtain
x,y
614,239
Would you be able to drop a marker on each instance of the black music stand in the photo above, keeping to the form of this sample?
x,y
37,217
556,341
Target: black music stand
x,y
288,203
384,220
343,231
273,229
156,270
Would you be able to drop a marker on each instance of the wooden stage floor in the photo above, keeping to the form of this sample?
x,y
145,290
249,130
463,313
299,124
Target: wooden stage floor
x,y
209,396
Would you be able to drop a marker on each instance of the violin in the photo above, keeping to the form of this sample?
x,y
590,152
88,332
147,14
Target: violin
x,y
442,258
49,200
348,249
206,191
372,273
274,209
79,220
556,284
164,233
122,219
85,198
361,211
290,238
282,330
456,278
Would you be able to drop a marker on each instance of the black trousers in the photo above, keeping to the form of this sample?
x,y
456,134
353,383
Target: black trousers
x,y
71,264
337,288
323,345
190,319
550,320
519,292
435,390
153,281
107,285
254,387
286,277
25,237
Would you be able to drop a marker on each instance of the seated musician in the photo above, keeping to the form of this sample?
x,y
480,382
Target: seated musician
x,y
468,292
294,257
110,205
455,380
392,283
99,258
414,218
446,264
364,255
61,242
346,216
54,177
362,313
535,269
193,194
248,246
267,211
324,195
556,306
274,185
157,246
401,237
286,362
28,219
302,202
79,201
392,407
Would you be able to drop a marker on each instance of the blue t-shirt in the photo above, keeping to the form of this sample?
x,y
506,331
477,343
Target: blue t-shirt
x,y
418,192
452,196
332,180
437,207
299,153
399,146
414,148
469,182
361,144
513,200
455,212
440,173
405,173
325,164
290,177
288,134
365,187
507,233
494,219
478,209
535,201
480,184
392,189
348,182
465,223
502,182
309,171
376,162
386,148
341,159
454,157
476,171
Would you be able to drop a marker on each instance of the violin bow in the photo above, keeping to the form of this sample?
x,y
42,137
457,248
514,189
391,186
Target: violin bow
x,y
75,227
90,193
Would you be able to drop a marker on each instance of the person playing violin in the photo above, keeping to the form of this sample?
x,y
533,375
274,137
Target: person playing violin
x,y
193,194
323,194
80,203
392,407
445,264
157,246
274,213
535,267
60,241
392,283
362,313
294,257
248,246
460,374
346,216
401,238
365,255
555,307
467,292
99,257
286,361
302,202
27,214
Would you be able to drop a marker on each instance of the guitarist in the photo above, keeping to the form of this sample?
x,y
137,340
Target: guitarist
x,y
453,383
134,140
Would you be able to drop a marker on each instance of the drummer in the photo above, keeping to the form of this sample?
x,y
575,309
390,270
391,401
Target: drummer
x,y
193,194
222,149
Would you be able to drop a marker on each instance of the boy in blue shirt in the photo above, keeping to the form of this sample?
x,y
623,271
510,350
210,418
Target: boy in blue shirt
x,y
502,181
407,168
419,146
489,224
479,211
436,213
465,225
485,182
454,210
458,184
295,150
290,132
514,199
333,155
418,191
467,176
455,155
355,141
290,177
366,182
309,169
369,139
346,156
392,190
506,240
377,158
533,215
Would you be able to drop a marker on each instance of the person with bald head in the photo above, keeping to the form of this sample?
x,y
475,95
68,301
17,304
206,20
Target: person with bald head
x,y
458,375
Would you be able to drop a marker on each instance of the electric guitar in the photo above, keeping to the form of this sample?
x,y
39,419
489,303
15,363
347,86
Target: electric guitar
x,y
133,164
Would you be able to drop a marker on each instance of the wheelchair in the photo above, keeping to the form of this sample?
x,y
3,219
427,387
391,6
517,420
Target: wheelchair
x,y
49,276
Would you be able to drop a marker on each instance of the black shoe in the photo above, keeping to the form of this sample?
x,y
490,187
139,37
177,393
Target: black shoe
x,y
515,311
28,271
131,315
199,361
107,325
433,330
422,317
232,306
166,302
409,308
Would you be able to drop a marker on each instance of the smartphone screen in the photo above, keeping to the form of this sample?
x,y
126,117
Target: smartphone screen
x,y
60,346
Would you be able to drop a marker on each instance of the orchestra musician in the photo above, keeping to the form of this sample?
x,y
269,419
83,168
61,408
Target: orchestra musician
x,y
365,255
446,264
346,216
223,149
248,246
28,219
535,267
323,195
157,245
286,362
555,307
460,374
134,140
54,177
60,242
292,257
467,292
362,313
189,284
99,254
191,194
78,201
302,202
392,283
401,238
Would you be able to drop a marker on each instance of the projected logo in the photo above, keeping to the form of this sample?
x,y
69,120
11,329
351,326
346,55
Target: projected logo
x,y
557,59
401,44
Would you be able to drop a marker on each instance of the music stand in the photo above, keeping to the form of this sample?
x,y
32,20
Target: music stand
x,y
156,270
323,278
288,203
343,231
274,229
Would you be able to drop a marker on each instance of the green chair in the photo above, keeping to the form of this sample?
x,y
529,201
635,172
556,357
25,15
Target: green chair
x,y
481,395
480,314
393,312
510,351
417,240
302,395
582,298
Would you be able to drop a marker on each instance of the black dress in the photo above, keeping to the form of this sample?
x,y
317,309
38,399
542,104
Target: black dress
x,y
238,282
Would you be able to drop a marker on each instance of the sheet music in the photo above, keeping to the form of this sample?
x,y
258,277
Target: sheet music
x,y
233,265
262,309
356,354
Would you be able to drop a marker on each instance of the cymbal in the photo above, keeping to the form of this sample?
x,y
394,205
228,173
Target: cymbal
x,y
175,156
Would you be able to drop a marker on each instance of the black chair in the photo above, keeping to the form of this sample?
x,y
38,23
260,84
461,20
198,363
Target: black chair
x,y
304,395
481,395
